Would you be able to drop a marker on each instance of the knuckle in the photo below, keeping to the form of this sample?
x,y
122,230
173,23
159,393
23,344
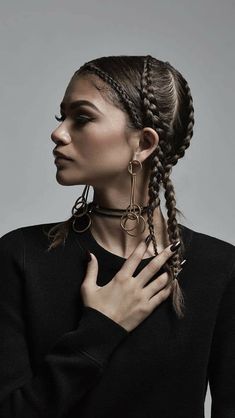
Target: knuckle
x,y
83,290
136,255
138,296
83,285
163,279
153,265
143,309
164,293
168,289
119,276
167,253
160,259
161,296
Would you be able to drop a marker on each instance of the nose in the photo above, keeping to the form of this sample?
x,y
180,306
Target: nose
x,y
60,135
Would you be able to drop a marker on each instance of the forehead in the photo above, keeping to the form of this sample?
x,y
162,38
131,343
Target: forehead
x,y
84,88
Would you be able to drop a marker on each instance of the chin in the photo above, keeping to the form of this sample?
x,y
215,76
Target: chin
x,y
66,181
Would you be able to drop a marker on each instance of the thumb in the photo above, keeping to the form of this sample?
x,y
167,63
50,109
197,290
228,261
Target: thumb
x,y
92,271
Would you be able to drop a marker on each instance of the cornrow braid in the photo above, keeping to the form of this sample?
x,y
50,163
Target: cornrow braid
x,y
151,118
88,67
154,120
173,159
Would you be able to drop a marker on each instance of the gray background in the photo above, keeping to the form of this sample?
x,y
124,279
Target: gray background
x,y
43,43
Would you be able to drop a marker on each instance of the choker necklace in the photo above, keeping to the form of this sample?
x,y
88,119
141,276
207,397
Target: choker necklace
x,y
102,211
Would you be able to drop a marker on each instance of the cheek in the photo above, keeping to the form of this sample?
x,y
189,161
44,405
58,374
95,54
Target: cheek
x,y
104,146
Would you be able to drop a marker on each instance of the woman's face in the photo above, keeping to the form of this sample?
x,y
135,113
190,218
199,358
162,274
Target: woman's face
x,y
97,140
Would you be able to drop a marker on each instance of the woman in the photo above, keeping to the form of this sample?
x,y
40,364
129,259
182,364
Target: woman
x,y
137,331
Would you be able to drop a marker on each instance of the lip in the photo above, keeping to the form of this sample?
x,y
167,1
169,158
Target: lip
x,y
59,160
59,154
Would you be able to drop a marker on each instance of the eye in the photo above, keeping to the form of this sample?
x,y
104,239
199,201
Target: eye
x,y
80,120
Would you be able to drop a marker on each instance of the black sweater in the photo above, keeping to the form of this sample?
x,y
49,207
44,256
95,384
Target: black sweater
x,y
59,358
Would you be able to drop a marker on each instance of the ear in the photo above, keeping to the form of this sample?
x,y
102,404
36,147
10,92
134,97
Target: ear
x,y
148,142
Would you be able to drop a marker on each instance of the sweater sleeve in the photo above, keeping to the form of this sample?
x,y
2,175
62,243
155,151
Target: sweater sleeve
x,y
70,369
221,371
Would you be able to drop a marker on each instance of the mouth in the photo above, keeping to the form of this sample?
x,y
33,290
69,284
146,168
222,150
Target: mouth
x,y
61,160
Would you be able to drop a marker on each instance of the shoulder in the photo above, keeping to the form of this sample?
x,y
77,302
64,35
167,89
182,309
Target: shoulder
x,y
220,247
210,249
30,234
31,230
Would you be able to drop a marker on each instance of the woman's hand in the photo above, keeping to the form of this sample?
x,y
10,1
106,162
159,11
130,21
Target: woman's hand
x,y
126,299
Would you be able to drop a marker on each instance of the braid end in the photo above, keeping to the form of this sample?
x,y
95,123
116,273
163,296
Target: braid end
x,y
178,299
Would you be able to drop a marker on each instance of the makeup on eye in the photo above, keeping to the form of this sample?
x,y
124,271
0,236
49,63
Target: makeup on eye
x,y
81,119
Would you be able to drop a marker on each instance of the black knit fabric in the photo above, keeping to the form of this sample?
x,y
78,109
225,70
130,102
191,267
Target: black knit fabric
x,y
61,359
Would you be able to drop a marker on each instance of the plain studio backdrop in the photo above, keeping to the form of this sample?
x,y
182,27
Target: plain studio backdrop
x,y
43,43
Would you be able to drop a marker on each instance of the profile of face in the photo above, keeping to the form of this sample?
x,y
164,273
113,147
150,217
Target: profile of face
x,y
95,137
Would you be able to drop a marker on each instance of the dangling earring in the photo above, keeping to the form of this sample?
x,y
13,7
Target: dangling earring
x,y
130,212
76,210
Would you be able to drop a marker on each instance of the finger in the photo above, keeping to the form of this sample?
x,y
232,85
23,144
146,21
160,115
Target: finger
x,y
91,272
158,298
129,266
156,285
155,264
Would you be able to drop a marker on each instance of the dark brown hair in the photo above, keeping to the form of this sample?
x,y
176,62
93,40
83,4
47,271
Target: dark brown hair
x,y
153,94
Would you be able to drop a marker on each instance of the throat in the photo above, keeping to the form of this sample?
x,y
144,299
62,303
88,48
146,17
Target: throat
x,y
109,234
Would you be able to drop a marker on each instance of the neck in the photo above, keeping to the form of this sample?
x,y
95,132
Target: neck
x,y
108,232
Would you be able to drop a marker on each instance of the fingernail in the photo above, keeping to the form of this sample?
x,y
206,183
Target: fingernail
x,y
183,262
88,254
174,247
148,239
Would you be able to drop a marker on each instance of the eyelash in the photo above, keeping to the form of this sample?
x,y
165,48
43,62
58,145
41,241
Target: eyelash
x,y
81,120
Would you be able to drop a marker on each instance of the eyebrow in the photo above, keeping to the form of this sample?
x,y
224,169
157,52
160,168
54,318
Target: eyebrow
x,y
79,103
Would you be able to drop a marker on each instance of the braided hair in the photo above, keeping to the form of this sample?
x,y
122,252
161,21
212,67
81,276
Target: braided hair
x,y
153,94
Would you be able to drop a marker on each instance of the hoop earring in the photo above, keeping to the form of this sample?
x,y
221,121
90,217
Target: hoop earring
x,y
133,207
83,208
